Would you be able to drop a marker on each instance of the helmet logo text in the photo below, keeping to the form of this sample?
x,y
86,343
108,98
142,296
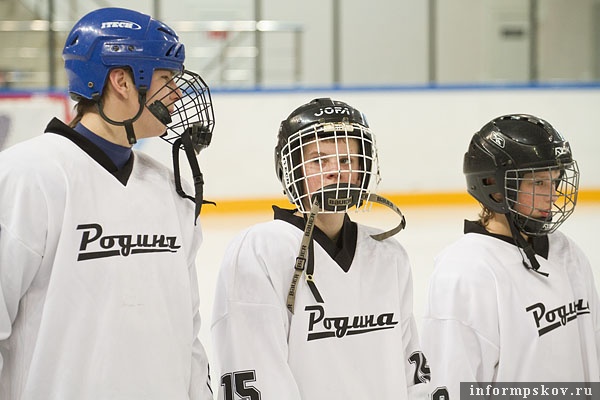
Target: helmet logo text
x,y
339,202
121,24
497,139
559,151
332,110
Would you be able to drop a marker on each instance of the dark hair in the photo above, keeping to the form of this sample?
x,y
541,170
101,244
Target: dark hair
x,y
485,216
82,107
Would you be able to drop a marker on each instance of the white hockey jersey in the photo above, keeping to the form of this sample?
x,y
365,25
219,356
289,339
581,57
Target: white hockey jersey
x,y
489,319
98,286
360,343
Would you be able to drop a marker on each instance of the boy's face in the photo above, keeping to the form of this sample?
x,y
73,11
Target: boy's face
x,y
164,89
329,161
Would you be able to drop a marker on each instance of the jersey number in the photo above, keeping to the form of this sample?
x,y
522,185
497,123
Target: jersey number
x,y
422,371
236,382
440,393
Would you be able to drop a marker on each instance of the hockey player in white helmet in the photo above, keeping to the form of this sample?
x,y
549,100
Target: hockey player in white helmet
x,y
312,305
98,286
514,299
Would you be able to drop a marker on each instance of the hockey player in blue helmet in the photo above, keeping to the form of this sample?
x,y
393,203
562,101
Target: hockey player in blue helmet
x,y
168,100
99,291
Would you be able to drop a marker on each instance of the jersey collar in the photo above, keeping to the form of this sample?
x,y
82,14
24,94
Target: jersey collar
x,y
60,128
540,244
341,251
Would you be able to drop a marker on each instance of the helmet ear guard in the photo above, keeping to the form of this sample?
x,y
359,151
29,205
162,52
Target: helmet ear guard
x,y
484,172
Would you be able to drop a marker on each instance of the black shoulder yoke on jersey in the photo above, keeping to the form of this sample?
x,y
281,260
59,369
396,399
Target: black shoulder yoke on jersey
x,y
60,128
342,251
539,243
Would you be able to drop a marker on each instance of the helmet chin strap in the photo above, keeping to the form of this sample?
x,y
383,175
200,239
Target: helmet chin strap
x,y
304,255
355,198
128,124
331,202
524,247
194,138
375,198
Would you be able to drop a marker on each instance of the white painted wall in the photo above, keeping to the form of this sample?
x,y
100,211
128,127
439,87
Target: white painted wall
x,y
421,134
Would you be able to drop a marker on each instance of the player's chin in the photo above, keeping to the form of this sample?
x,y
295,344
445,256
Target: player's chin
x,y
151,133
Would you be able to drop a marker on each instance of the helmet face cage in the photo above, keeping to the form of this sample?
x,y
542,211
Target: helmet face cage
x,y
529,183
342,166
192,108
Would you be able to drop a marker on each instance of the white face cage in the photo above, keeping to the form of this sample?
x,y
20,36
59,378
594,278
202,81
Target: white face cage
x,y
336,161
192,110
541,199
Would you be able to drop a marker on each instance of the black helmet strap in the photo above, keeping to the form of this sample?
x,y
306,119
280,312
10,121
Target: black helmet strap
x,y
524,247
186,140
128,124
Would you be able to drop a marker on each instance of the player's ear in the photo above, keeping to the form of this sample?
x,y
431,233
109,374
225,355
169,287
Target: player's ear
x,y
119,81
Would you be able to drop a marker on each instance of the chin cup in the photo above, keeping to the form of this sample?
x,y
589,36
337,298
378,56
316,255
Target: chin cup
x,y
161,112
334,198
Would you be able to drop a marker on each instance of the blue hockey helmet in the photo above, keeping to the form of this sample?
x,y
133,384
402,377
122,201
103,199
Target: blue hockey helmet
x,y
108,38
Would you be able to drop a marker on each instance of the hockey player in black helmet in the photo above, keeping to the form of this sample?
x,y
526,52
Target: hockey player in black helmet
x,y
487,318
283,283
522,172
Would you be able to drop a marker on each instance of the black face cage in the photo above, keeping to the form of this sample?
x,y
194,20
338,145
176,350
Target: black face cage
x,y
346,173
563,191
189,120
192,111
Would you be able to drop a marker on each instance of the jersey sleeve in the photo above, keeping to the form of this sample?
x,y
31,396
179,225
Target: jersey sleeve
x,y
457,331
596,318
249,330
18,265
418,374
594,305
23,226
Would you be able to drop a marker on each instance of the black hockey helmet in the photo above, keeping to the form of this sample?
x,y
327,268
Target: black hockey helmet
x,y
507,148
319,119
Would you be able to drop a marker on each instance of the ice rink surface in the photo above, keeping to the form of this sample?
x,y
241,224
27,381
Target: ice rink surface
x,y
428,230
